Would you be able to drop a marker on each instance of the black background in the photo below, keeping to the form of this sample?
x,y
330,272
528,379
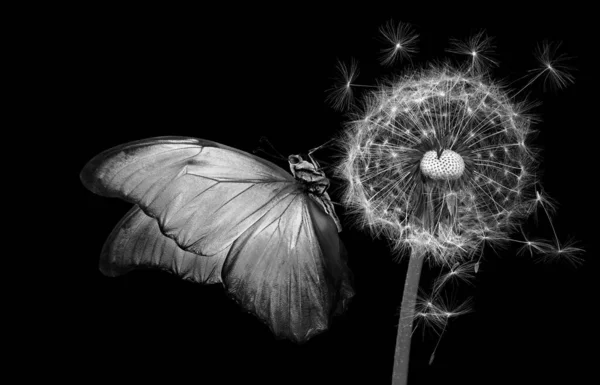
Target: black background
x,y
233,75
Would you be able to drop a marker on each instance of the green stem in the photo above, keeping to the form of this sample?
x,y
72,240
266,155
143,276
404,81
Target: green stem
x,y
407,314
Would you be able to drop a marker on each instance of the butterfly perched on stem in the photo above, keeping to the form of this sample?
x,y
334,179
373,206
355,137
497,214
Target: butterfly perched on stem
x,y
214,214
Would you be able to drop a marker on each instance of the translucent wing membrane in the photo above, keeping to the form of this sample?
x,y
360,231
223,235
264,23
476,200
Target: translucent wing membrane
x,y
211,213
298,291
203,194
136,241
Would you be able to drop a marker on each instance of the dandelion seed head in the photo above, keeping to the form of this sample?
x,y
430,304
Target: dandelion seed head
x,y
440,159
461,162
447,166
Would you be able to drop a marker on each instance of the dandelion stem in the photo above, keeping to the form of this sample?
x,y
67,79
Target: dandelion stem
x,y
407,315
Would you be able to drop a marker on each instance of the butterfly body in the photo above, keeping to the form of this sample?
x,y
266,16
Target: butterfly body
x,y
310,175
214,214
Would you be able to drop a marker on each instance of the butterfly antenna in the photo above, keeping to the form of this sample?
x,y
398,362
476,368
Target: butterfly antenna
x,y
321,146
316,149
274,154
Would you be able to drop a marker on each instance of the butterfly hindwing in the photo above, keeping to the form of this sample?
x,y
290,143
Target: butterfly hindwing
x,y
137,241
276,269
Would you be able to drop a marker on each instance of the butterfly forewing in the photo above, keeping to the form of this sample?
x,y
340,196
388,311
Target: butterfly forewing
x,y
191,188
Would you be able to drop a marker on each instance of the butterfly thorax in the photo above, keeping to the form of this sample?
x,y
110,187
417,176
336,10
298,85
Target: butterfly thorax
x,y
310,175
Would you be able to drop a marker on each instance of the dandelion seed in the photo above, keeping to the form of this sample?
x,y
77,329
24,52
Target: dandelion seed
x,y
432,358
533,247
431,312
559,253
458,272
479,48
341,95
434,312
401,41
553,66
545,201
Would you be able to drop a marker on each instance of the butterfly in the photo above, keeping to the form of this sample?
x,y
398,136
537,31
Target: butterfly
x,y
215,214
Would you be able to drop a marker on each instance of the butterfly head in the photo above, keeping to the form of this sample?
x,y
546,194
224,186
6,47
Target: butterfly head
x,y
294,159
299,165
309,173
299,161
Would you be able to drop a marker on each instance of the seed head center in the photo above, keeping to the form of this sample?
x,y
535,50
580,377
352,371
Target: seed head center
x,y
442,165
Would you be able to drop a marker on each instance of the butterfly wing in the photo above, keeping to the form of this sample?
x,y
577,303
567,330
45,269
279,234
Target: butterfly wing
x,y
281,253
136,241
287,268
203,194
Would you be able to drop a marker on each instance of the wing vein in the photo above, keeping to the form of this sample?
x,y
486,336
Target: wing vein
x,y
139,158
